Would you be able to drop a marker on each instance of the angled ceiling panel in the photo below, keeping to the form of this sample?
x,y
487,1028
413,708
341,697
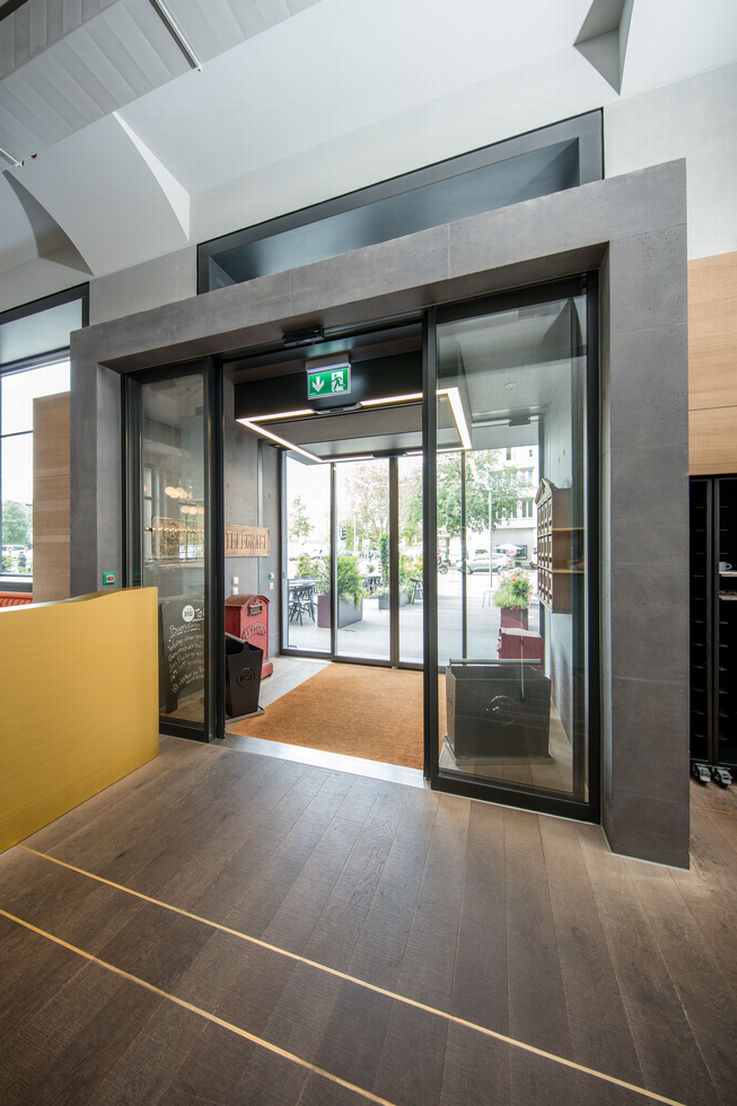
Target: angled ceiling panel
x,y
38,24
102,192
120,54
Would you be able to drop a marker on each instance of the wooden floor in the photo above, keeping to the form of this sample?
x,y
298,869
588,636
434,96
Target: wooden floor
x,y
224,927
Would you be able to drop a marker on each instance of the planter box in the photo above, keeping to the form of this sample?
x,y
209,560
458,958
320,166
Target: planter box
x,y
514,617
384,600
497,712
348,611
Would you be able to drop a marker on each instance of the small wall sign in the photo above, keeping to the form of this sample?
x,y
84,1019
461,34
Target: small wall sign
x,y
331,380
247,541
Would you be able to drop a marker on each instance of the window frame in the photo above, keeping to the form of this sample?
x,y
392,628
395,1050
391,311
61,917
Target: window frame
x,y
23,584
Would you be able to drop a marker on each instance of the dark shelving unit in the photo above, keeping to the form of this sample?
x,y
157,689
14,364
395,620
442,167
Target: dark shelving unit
x,y
713,614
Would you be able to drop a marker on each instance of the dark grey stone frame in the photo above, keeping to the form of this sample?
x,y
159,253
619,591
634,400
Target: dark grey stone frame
x,y
633,230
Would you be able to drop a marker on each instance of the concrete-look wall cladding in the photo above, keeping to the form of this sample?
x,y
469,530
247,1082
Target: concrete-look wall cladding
x,y
251,476
632,228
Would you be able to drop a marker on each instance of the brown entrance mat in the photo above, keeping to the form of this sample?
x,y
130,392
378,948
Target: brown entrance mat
x,y
374,713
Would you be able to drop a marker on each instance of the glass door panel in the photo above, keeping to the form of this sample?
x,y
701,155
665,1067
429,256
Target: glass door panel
x,y
362,527
451,582
512,623
173,500
307,580
409,539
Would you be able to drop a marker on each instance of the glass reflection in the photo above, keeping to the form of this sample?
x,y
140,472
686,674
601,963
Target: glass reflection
x,y
308,555
511,530
173,469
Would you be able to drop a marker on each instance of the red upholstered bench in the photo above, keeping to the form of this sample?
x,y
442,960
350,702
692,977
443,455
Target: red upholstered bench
x,y
14,599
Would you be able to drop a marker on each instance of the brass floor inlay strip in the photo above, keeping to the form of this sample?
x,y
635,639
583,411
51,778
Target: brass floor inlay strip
x,y
454,1019
213,1018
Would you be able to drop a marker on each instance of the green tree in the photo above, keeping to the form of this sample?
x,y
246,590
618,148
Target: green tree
x,y
16,524
365,499
299,523
485,473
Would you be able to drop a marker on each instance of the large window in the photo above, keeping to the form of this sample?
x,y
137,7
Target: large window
x,y
513,531
17,393
34,362
562,155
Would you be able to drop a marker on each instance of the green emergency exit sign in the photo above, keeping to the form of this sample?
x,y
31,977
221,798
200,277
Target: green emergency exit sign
x,y
331,380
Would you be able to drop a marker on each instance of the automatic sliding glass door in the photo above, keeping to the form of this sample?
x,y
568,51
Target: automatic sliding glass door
x,y
363,561
369,511
514,417
171,528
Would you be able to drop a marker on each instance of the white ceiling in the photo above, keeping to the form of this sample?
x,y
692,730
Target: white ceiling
x,y
129,154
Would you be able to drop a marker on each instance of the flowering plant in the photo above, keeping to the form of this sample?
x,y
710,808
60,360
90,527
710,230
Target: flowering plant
x,y
514,591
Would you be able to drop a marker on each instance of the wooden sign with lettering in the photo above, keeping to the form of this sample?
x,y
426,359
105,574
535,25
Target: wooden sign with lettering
x,y
247,541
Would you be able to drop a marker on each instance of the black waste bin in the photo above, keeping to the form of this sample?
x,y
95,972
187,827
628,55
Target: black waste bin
x,y
243,663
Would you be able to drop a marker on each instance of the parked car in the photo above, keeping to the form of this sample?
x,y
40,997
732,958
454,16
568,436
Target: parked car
x,y
480,563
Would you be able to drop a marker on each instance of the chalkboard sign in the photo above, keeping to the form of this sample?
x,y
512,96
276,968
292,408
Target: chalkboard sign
x,y
182,649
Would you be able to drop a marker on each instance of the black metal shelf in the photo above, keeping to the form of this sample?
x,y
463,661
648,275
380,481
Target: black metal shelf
x,y
713,620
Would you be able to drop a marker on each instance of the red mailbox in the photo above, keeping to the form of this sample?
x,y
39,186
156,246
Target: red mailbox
x,y
518,644
247,617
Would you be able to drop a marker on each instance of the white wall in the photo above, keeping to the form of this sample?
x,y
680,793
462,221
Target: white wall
x,y
694,119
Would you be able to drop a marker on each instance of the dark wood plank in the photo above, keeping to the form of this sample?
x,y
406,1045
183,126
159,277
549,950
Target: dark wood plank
x,y
537,1007
709,1003
429,959
354,1036
75,1038
258,980
669,1057
32,971
146,1069
476,1069
319,1091
480,985
224,1070
238,880
600,1031
300,1017
708,892
339,923
410,1067
294,921
270,881
380,947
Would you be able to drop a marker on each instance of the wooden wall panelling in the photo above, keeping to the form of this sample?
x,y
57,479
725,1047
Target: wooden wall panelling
x,y
51,498
712,349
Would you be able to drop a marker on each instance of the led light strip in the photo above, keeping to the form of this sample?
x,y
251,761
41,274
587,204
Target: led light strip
x,y
251,425
453,396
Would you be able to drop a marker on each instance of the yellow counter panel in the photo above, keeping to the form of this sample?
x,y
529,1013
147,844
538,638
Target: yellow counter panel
x,y
78,702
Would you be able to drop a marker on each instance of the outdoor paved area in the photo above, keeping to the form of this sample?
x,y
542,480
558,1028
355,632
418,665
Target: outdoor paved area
x,y
369,638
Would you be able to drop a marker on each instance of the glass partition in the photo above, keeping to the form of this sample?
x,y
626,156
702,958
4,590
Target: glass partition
x,y
18,389
307,495
364,557
512,538
409,537
173,516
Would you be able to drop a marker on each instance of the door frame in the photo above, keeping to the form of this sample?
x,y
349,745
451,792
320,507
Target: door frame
x,y
332,655
213,723
543,802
